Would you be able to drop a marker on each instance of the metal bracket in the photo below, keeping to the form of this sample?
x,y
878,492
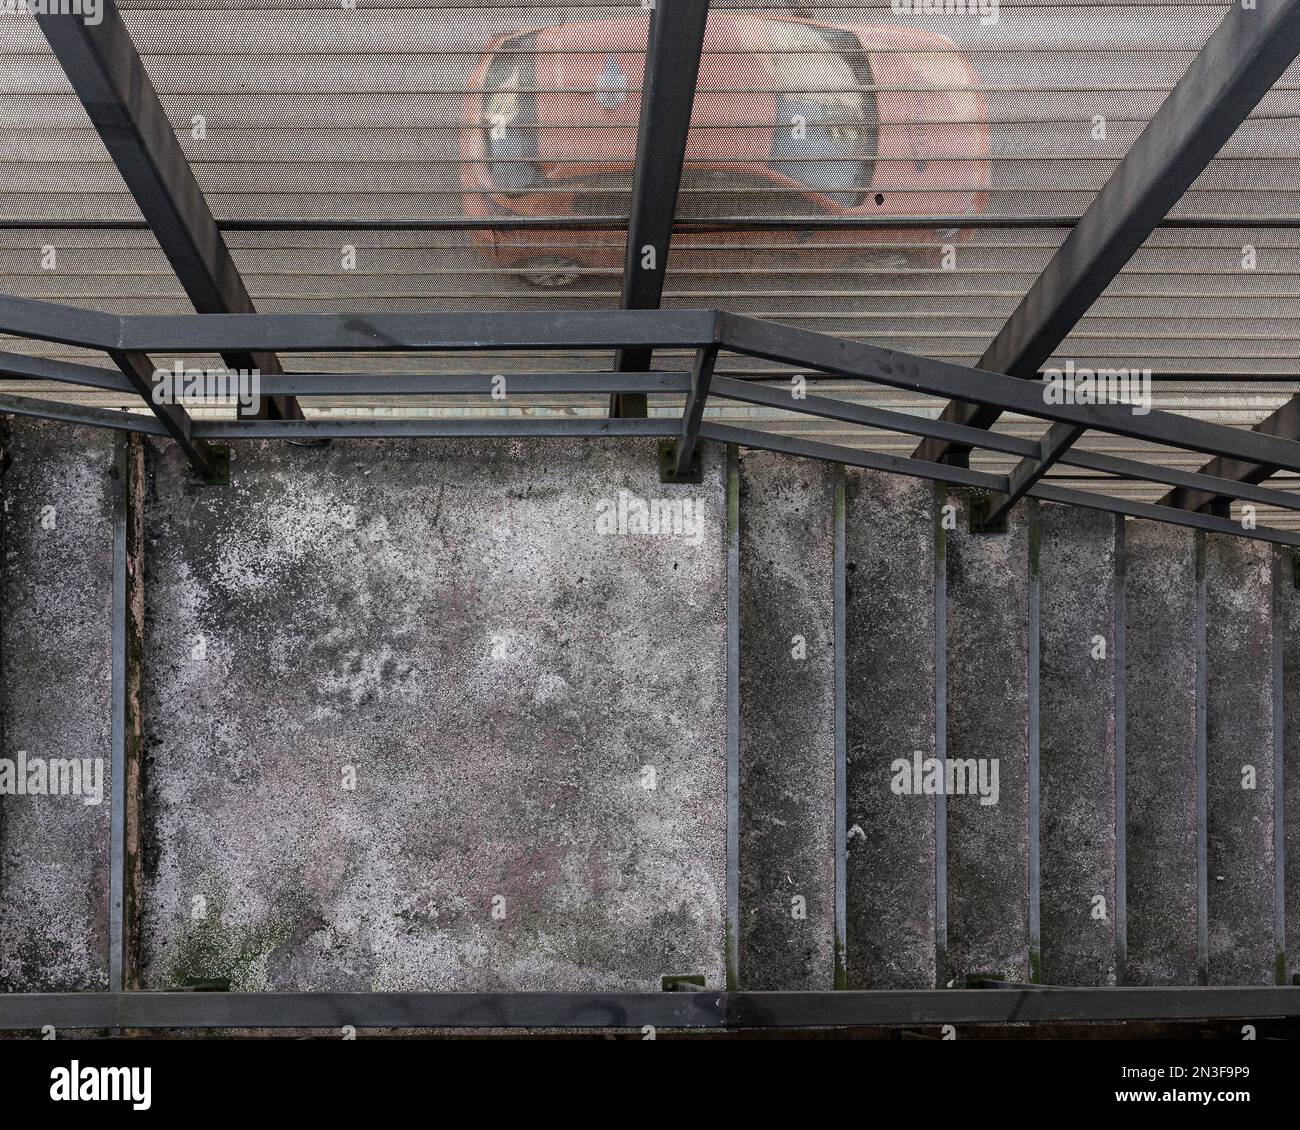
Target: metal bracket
x,y
220,462
980,504
694,472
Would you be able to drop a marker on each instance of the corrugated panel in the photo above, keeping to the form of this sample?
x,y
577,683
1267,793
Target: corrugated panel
x,y
314,111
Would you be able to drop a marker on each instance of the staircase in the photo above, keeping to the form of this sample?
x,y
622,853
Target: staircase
x,y
1129,679
827,737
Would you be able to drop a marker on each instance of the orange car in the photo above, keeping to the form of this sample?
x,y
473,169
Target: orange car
x,y
793,118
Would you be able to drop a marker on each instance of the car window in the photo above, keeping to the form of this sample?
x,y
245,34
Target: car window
x,y
825,136
510,116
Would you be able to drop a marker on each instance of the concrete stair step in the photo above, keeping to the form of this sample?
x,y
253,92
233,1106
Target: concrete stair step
x,y
787,723
890,654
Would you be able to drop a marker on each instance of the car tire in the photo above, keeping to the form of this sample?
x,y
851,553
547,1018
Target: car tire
x,y
550,274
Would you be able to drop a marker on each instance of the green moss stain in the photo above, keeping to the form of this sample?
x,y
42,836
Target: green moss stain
x,y
212,950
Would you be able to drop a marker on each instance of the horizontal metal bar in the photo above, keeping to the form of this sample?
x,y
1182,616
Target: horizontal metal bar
x,y
620,223
360,1010
67,372
80,414
467,384
53,321
1194,480
1156,513
461,332
941,378
429,428
357,332
825,408
995,484
1284,421
1009,1006
749,392
709,1010
834,453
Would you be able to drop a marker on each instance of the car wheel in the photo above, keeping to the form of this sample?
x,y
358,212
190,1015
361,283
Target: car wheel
x,y
550,273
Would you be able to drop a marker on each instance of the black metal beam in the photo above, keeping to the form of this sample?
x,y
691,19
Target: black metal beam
x,y
469,384
461,332
66,372
1157,513
359,332
108,77
120,712
1284,422
693,413
1002,1006
1239,64
861,361
963,476
661,427
667,1010
835,453
80,414
1053,446
824,408
53,321
986,221
139,370
672,67
1132,469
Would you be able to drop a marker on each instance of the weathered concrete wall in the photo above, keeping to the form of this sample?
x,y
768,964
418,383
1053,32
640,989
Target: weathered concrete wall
x,y
1076,657
446,622
890,701
1161,643
56,664
787,723
1239,760
988,720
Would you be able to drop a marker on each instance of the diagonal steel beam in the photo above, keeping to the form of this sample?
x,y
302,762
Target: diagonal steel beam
x,y
676,41
1025,474
1010,394
140,372
106,73
1285,422
835,453
1239,64
693,413
749,392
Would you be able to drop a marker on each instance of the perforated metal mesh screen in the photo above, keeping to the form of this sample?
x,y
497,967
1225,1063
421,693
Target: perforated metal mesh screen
x,y
306,110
